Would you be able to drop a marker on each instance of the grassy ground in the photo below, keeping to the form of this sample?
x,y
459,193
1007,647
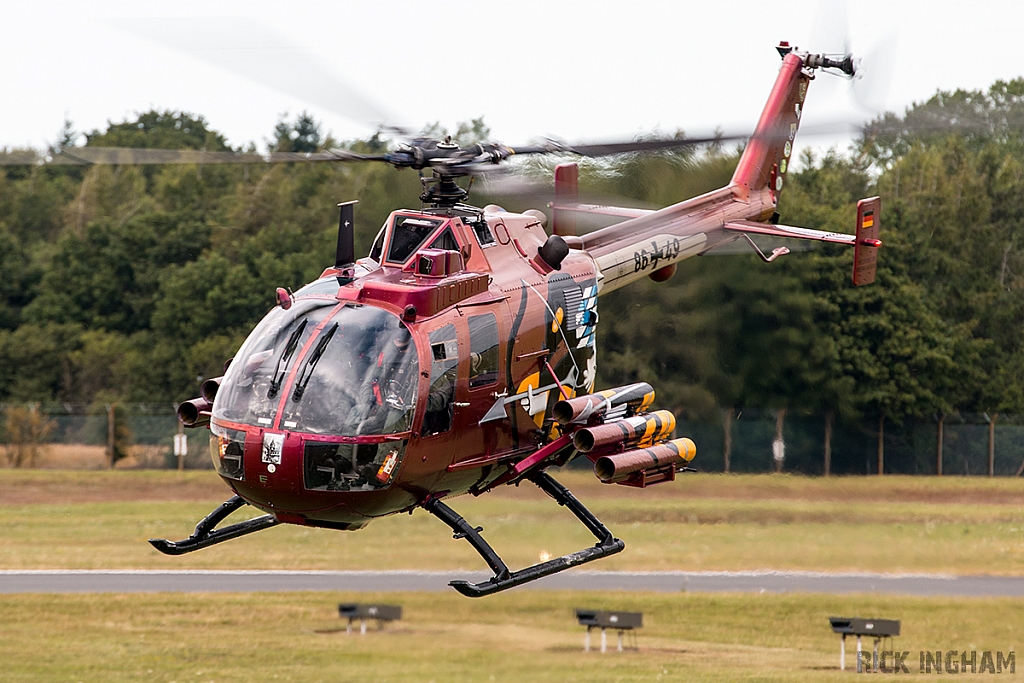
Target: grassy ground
x,y
79,456
528,636
59,519
55,519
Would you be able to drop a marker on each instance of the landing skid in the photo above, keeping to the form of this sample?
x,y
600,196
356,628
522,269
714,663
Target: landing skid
x,y
503,578
205,534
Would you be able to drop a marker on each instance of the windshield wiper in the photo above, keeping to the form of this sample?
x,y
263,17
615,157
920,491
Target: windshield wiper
x,y
307,371
289,349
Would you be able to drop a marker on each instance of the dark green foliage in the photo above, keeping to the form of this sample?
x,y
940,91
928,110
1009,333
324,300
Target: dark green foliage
x,y
19,279
302,136
128,284
466,133
107,277
160,130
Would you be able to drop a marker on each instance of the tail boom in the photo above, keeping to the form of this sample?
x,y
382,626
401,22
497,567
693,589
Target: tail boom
x,y
765,160
652,242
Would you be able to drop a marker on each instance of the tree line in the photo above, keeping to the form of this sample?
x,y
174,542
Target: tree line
x,y
127,283
939,332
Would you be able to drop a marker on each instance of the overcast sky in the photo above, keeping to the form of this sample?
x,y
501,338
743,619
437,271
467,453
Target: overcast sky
x,y
575,70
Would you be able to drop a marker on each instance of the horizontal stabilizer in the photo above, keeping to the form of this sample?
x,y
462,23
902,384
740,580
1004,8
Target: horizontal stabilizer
x,y
750,227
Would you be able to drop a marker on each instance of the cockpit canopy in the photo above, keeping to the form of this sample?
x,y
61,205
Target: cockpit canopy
x,y
322,367
405,233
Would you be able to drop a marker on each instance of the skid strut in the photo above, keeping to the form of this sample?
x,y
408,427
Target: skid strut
x,y
503,578
205,534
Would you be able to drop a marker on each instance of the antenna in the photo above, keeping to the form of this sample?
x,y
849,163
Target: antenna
x,y
345,256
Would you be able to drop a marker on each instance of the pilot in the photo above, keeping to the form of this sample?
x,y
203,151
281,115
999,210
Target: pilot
x,y
438,417
475,367
388,383
385,398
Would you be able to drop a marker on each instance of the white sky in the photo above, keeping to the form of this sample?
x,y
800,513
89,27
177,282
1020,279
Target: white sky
x,y
576,70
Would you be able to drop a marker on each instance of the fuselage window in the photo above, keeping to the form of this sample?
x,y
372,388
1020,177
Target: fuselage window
x,y
407,235
378,244
444,351
483,233
446,240
483,344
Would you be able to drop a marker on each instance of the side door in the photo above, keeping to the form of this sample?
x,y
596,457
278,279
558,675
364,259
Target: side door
x,y
483,385
439,415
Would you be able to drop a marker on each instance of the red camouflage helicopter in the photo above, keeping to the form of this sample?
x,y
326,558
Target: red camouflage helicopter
x,y
460,354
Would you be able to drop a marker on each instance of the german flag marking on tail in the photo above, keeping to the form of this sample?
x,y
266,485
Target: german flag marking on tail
x,y
865,250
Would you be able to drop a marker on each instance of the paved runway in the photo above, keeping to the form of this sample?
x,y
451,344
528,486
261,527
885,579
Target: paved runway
x,y
192,581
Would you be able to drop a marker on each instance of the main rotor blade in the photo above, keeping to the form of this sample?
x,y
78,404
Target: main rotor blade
x,y
248,48
603,149
607,149
125,156
486,162
610,148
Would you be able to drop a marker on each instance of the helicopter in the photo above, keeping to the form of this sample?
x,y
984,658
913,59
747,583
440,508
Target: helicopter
x,y
460,354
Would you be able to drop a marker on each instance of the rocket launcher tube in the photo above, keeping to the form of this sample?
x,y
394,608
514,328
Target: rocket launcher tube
x,y
195,413
637,396
614,468
208,389
645,429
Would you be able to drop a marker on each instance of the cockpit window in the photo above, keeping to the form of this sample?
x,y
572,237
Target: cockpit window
x,y
250,390
483,345
326,285
408,233
444,352
378,244
483,232
358,377
446,240
363,382
352,466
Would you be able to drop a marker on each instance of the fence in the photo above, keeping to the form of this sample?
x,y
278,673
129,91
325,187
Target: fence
x,y
81,436
909,448
74,436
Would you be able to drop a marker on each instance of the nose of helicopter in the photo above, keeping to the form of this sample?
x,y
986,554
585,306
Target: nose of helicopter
x,y
272,471
274,478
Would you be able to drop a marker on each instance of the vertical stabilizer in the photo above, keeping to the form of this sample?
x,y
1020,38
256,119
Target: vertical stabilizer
x,y
865,250
566,193
765,160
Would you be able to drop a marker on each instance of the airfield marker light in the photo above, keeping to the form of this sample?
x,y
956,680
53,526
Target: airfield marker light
x,y
620,621
859,627
381,613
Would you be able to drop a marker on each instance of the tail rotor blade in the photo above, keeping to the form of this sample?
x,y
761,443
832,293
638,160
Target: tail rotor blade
x,y
874,75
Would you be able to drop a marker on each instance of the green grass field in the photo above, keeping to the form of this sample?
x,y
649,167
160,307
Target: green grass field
x,y
92,520
528,636
60,519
